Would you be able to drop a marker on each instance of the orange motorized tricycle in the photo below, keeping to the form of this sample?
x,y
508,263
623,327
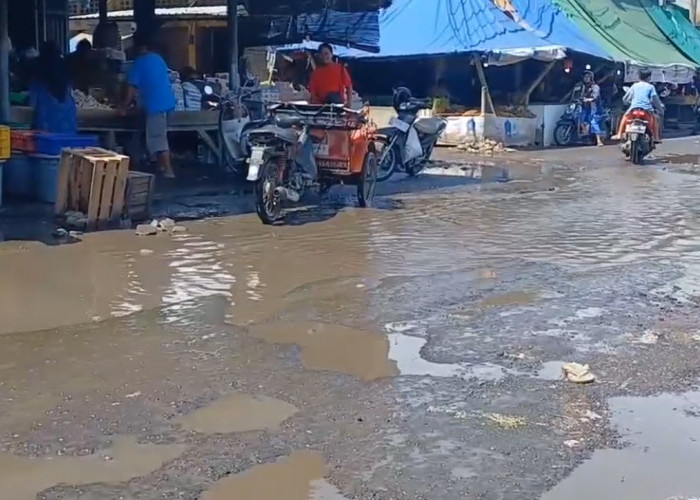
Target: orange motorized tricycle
x,y
305,146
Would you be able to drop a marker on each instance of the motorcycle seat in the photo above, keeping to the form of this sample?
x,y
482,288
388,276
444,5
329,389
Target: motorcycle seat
x,y
429,126
287,121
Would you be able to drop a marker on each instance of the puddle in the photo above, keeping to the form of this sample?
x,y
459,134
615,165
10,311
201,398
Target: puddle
x,y
660,462
509,299
337,348
297,477
239,413
686,159
551,370
405,351
23,478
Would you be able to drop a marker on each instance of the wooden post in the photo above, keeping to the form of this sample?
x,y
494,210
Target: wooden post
x,y
4,62
537,81
232,17
694,12
486,95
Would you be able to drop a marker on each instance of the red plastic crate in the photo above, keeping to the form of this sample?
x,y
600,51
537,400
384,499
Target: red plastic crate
x,y
23,140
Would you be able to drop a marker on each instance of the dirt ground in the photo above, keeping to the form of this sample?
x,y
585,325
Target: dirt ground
x,y
412,351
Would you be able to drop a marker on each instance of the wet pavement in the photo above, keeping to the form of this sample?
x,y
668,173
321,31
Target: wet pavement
x,y
409,351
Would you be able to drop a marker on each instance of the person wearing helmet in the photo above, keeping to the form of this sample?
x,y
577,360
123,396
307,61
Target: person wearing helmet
x,y
592,117
642,95
330,82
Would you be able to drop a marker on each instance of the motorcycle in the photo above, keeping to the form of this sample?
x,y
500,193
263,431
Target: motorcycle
x,y
568,128
309,146
235,123
637,139
408,142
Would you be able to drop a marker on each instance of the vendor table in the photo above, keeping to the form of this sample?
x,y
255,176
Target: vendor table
x,y
679,109
109,122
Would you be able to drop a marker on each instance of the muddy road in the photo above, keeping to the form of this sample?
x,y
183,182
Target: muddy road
x,y
411,351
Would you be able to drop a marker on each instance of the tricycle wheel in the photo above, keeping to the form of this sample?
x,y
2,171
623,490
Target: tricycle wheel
x,y
267,203
368,180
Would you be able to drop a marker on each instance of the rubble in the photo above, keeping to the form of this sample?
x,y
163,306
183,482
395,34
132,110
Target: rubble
x,y
483,147
577,373
146,230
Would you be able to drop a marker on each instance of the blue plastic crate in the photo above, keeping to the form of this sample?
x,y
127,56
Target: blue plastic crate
x,y
53,144
46,176
18,177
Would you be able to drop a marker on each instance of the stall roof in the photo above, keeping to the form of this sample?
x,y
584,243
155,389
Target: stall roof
x,y
628,34
549,22
440,27
676,26
356,29
292,7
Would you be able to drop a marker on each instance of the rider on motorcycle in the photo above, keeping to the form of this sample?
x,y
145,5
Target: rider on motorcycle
x,y
643,95
592,118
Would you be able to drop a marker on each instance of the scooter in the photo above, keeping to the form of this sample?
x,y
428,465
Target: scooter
x,y
637,139
408,141
235,124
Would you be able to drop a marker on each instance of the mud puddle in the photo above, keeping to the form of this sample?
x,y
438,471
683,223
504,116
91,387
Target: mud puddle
x,y
23,478
296,477
238,413
337,348
660,460
684,159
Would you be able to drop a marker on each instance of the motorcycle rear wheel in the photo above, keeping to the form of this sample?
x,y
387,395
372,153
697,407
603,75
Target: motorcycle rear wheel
x,y
268,205
636,153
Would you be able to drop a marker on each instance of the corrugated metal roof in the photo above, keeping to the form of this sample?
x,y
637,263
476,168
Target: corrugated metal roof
x,y
204,11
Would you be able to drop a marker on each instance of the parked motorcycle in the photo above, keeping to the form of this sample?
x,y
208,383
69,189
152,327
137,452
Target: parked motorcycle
x,y
637,139
236,120
408,142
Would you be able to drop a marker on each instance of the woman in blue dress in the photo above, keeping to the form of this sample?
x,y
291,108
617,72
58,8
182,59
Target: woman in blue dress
x,y
593,115
50,93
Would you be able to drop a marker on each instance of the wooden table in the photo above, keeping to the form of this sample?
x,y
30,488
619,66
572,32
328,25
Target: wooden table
x,y
108,123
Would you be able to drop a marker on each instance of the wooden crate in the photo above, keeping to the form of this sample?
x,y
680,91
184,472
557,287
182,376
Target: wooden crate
x,y
139,192
92,181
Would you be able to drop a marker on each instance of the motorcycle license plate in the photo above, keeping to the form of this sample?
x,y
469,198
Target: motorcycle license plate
x,y
635,129
399,124
255,161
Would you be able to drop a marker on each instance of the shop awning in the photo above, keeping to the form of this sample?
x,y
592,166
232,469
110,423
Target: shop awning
x,y
550,23
629,35
676,26
416,28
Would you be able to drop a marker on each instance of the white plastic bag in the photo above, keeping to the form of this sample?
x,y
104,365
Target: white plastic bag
x,y
413,146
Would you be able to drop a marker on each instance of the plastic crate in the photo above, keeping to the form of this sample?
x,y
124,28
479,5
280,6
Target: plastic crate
x,y
53,144
18,177
45,176
5,142
23,140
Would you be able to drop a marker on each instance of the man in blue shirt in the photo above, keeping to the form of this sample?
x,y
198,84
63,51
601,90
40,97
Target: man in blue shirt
x,y
643,95
149,76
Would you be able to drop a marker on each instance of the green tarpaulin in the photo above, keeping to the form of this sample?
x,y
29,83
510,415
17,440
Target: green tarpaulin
x,y
627,32
676,25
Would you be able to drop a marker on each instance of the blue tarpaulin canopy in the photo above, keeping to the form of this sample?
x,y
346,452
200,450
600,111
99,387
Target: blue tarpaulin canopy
x,y
440,27
550,23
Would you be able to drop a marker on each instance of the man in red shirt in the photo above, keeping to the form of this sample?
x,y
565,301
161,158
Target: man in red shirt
x,y
330,82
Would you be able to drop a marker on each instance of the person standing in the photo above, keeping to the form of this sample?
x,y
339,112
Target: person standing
x,y
330,81
51,94
149,77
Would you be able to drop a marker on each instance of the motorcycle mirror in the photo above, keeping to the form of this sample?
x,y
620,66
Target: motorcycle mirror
x,y
208,90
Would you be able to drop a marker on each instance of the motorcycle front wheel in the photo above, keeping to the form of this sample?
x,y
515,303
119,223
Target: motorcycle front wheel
x,y
268,205
386,157
563,134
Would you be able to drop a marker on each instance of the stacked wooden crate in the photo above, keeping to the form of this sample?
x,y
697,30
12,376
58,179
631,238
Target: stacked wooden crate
x,y
93,181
